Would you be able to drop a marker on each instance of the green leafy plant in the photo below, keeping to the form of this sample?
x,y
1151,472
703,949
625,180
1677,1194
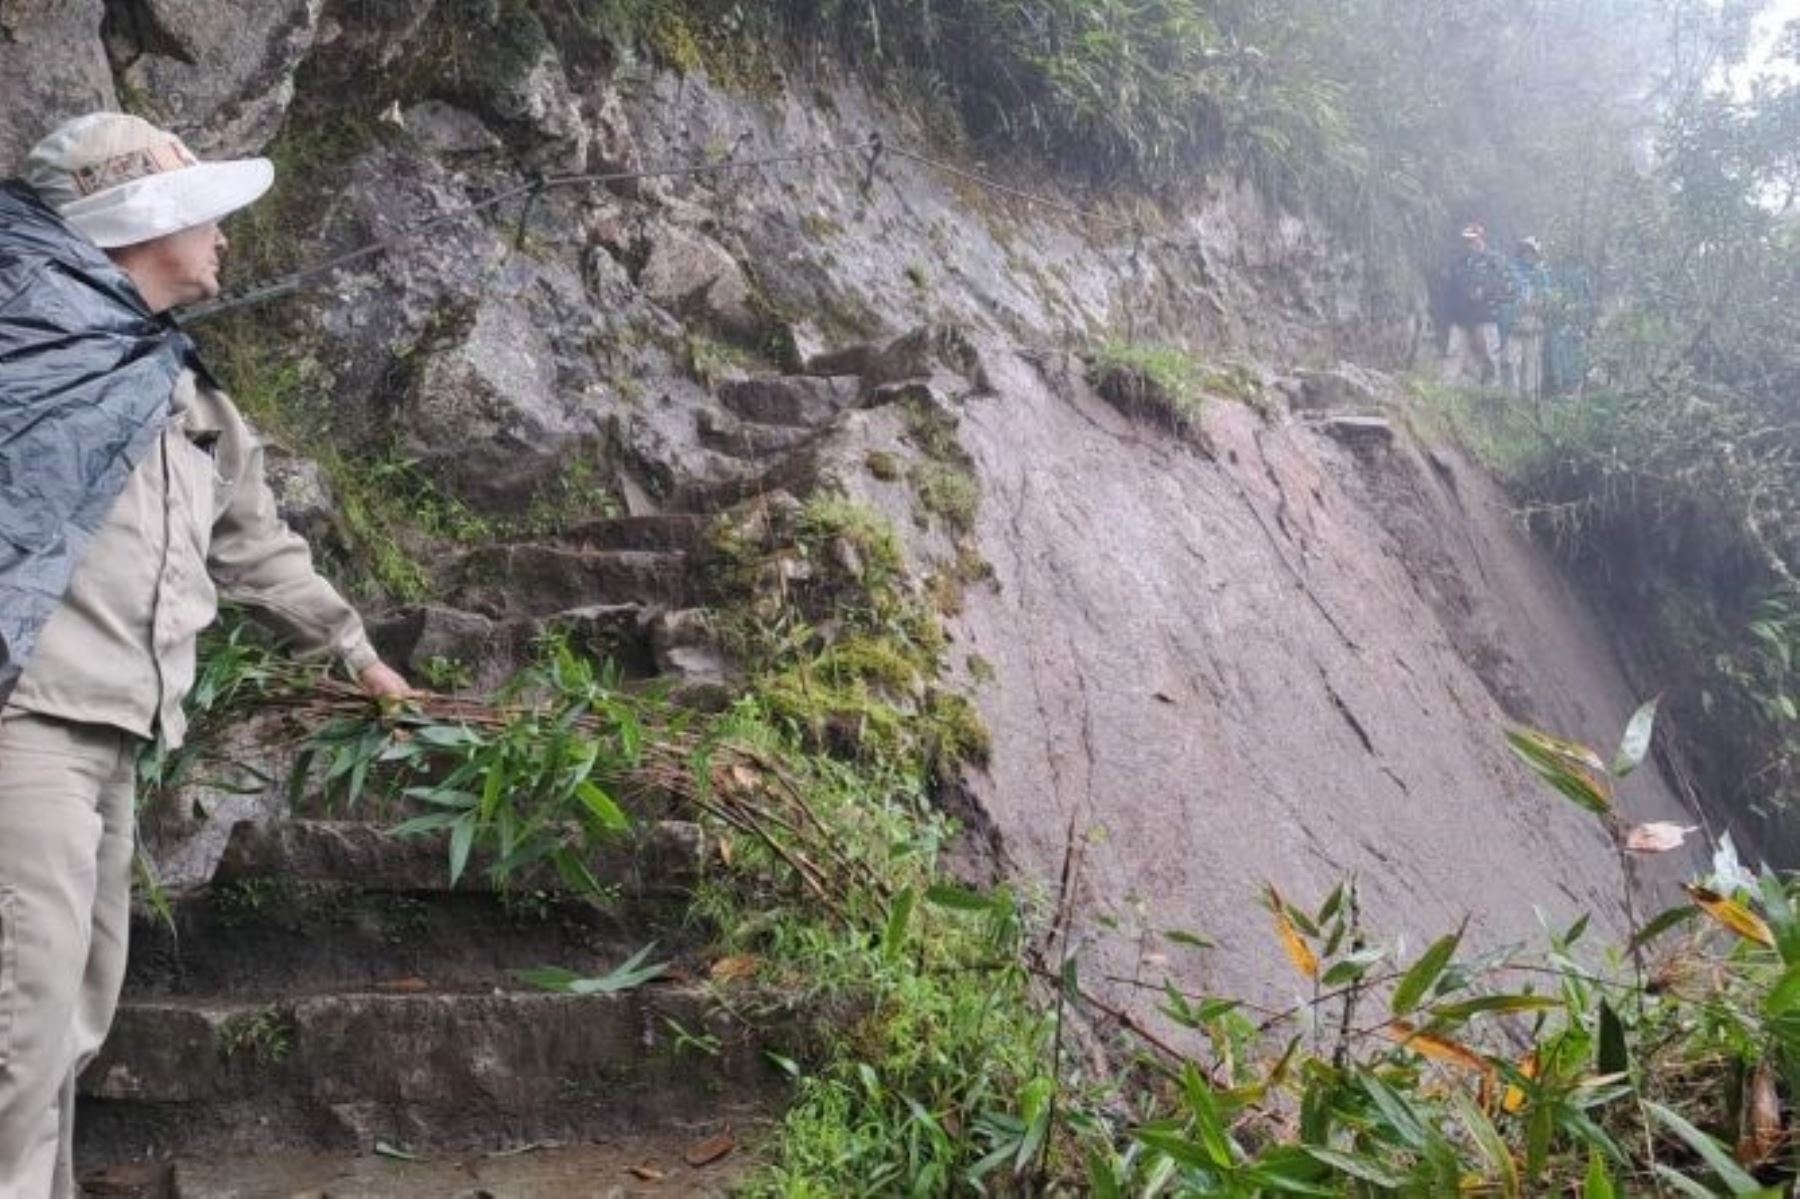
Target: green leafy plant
x,y
628,975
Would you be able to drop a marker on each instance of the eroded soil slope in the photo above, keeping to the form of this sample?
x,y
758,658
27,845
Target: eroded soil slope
x,y
1272,654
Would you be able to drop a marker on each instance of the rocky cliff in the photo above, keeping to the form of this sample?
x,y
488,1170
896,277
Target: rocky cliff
x,y
1274,642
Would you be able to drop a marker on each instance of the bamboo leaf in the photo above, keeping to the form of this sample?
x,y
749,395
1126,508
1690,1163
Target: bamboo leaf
x,y
1504,1004
628,975
1298,951
1437,1048
1610,1055
602,806
1358,1167
462,840
1662,924
1784,995
1492,1146
899,915
1732,914
1192,940
1598,1184
1711,1152
1574,777
1424,973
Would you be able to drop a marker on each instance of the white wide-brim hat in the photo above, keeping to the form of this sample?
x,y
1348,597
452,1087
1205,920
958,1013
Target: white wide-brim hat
x,y
120,180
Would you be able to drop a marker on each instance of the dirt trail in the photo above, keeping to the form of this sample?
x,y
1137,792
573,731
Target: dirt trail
x,y
1279,660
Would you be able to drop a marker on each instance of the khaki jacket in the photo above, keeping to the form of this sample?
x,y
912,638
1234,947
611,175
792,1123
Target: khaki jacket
x,y
195,519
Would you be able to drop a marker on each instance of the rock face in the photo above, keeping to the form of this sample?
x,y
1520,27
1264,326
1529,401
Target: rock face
x,y
1280,662
52,67
219,74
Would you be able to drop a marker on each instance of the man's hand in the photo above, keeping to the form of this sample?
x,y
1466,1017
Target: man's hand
x,y
382,681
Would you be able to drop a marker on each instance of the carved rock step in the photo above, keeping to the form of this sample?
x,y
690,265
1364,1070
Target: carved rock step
x,y
627,1167
432,1071
480,653
800,401
275,939
539,580
797,472
728,434
659,857
670,532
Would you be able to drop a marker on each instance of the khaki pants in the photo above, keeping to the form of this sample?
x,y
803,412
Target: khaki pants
x,y
65,897
1472,355
1525,356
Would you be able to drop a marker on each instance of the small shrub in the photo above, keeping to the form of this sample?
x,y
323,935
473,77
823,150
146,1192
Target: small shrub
x,y
1149,382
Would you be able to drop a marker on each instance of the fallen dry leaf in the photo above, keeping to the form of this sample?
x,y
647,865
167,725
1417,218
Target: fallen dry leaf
x,y
705,1153
1440,1049
736,967
1732,914
1298,951
646,1173
1515,1096
1659,837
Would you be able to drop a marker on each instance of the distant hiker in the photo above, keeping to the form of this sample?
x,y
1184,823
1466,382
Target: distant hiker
x,y
129,489
1522,325
1478,288
1568,315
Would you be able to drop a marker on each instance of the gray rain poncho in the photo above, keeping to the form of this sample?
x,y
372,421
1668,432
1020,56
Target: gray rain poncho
x,y
86,372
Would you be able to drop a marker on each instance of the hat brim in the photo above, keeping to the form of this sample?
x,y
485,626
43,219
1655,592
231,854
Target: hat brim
x,y
158,205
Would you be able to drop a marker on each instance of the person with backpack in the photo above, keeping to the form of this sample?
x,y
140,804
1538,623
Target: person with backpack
x,y
1479,286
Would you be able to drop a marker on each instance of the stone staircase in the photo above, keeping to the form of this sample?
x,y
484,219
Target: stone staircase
x,y
329,1017
328,998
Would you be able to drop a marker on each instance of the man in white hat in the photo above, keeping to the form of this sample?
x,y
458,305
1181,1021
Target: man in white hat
x,y
1479,288
108,667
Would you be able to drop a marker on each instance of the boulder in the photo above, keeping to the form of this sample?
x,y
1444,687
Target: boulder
x,y
1359,430
1343,387
302,493
52,67
218,72
446,129
690,274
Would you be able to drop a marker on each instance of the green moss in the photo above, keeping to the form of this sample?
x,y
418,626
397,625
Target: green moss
x,y
828,518
883,465
874,661
710,361
933,431
948,492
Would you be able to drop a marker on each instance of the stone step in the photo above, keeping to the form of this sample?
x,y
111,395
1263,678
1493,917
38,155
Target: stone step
x,y
529,579
728,434
670,532
627,1168
281,940
797,472
663,857
206,1076
455,650
798,401
307,907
